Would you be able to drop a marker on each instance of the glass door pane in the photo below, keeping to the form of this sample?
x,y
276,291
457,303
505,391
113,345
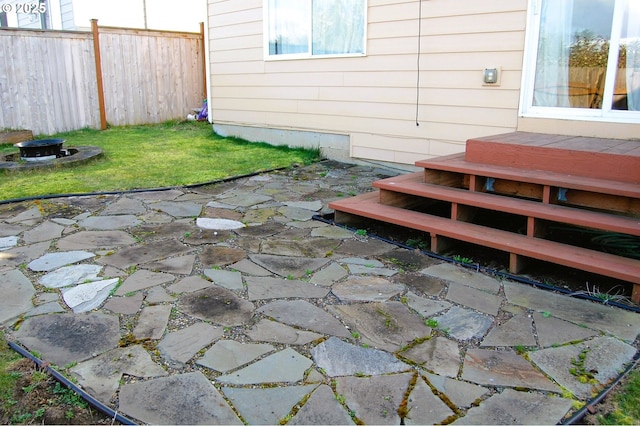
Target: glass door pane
x,y
626,92
573,52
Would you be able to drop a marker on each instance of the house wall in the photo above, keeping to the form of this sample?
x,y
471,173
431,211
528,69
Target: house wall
x,y
371,104
372,99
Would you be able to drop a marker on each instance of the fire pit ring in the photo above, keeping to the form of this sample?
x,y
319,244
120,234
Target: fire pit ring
x,y
41,149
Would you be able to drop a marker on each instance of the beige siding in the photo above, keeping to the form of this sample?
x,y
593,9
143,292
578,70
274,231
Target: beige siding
x,y
372,99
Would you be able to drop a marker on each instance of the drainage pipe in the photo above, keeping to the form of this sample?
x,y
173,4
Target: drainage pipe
x,y
62,379
579,415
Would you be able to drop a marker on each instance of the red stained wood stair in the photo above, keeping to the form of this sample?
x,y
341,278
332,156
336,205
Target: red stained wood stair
x,y
533,196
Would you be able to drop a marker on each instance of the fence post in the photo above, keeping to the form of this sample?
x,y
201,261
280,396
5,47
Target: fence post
x,y
96,54
204,60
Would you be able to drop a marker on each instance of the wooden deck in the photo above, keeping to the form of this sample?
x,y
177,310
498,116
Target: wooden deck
x,y
519,175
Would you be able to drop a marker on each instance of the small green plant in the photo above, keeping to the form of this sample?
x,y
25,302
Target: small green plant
x,y
418,243
355,334
432,322
462,259
361,232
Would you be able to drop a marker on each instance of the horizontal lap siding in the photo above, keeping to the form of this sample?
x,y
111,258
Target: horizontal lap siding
x,y
373,98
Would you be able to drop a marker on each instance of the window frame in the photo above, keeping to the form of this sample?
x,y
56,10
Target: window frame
x,y
530,56
308,55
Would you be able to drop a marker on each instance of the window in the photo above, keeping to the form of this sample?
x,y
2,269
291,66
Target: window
x,y
583,60
306,28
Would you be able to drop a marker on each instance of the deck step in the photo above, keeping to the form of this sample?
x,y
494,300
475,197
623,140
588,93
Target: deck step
x,y
548,187
367,205
610,159
409,189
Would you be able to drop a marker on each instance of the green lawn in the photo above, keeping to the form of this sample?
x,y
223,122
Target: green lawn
x,y
149,156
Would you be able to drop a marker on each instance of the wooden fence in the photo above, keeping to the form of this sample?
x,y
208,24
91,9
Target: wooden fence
x,y
54,81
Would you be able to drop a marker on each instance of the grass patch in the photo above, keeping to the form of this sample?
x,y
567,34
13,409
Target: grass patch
x,y
150,156
625,406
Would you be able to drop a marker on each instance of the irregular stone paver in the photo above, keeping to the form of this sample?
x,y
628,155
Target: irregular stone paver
x,y
439,355
26,216
227,355
248,267
178,209
424,407
70,275
463,324
366,270
17,293
518,331
218,224
8,242
92,240
287,266
331,232
158,294
376,399
51,261
266,406
619,322
193,400
152,322
301,313
339,358
426,307
603,358
143,279
277,288
284,366
86,297
217,305
473,298
554,331
513,407
271,331
13,258
109,222
189,284
144,253
322,408
220,256
44,232
452,273
503,368
100,376
296,213
126,305
366,289
462,394
329,275
227,279
180,346
66,338
182,265
388,326
124,205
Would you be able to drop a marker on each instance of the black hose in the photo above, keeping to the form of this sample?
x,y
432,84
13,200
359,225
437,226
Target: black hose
x,y
62,379
578,415
490,271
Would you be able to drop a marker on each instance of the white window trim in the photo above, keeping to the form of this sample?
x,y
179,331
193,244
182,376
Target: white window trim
x,y
527,110
298,56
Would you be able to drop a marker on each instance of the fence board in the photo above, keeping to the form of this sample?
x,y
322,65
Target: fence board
x,y
48,78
